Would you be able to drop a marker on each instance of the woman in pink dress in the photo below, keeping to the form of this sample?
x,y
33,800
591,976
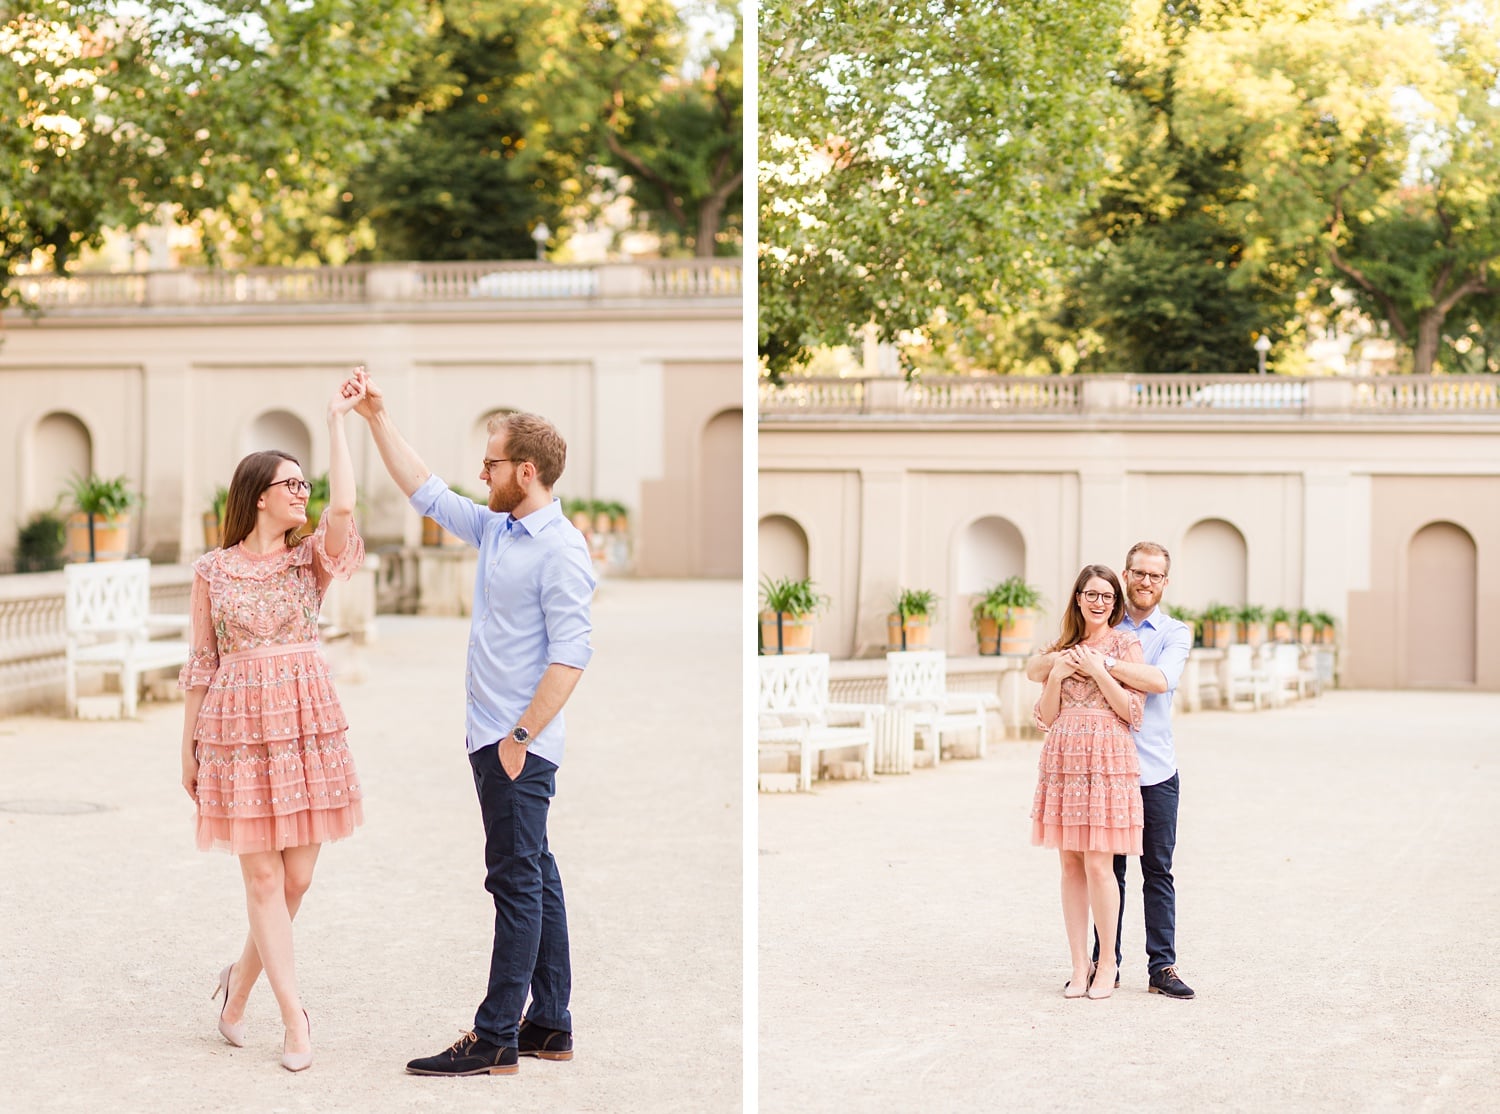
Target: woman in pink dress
x,y
1088,793
263,751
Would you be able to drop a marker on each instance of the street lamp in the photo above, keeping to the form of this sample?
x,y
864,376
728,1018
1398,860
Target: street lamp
x,y
541,234
1262,346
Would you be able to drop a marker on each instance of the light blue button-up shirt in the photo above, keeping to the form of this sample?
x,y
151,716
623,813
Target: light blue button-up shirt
x,y
532,592
1165,643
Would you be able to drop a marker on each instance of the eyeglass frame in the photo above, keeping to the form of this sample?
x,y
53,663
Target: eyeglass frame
x,y
484,465
1099,597
303,487
1141,576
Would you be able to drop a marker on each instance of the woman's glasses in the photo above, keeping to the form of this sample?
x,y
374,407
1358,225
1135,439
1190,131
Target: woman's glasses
x,y
1097,597
294,486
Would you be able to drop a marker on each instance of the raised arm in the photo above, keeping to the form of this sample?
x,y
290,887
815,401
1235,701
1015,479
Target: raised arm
x,y
339,514
400,459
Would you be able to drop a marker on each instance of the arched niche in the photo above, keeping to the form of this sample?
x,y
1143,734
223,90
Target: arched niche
x,y
1213,566
1442,593
721,494
990,549
782,549
279,429
61,450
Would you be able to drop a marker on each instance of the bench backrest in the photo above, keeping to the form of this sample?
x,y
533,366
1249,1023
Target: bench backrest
x,y
107,597
915,675
793,683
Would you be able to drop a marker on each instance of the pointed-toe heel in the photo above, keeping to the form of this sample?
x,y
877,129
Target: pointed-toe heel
x,y
233,1032
298,1061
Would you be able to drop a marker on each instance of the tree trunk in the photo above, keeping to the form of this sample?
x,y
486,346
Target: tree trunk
x,y
1424,353
709,214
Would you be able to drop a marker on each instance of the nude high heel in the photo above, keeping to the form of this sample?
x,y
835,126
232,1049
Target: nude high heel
x,y
298,1061
234,1032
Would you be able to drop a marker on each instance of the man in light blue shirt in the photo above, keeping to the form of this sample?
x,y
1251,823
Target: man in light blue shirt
x,y
1165,643
528,647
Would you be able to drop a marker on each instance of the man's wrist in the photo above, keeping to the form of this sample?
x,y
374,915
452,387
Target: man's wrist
x,y
519,734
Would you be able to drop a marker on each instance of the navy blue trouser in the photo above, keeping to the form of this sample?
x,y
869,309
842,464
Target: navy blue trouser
x,y
531,925
1159,899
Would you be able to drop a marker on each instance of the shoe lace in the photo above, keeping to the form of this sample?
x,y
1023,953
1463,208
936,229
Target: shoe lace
x,y
464,1043
1167,973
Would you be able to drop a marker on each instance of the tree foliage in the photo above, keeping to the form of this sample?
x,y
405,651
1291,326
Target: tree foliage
x,y
115,109
913,153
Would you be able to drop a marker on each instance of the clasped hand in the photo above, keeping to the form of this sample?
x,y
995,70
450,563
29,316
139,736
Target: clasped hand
x,y
1079,661
351,393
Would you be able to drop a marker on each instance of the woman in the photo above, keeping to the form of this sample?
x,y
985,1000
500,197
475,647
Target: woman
x,y
263,750
1088,794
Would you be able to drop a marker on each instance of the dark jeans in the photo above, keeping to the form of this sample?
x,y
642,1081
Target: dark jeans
x,y
1159,840
531,925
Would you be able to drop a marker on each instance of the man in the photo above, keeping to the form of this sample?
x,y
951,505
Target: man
x,y
1165,643
528,647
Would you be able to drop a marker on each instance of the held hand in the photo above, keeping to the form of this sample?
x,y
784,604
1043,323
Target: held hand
x,y
1063,666
512,757
1089,662
350,393
373,400
190,778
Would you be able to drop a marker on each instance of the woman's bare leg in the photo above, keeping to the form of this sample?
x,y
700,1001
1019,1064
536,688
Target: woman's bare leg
x,y
297,868
266,874
1104,898
1075,903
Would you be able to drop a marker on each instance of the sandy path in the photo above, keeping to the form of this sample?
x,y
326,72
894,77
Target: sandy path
x,y
112,927
1338,896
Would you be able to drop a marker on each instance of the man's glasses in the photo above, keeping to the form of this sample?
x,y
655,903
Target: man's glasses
x,y
490,464
1142,577
294,486
1097,597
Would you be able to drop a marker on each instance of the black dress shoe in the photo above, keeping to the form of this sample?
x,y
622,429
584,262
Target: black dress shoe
x,y
543,1043
469,1055
1166,982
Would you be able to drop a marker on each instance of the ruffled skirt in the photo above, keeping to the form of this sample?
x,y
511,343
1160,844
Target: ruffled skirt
x,y
274,769
1088,792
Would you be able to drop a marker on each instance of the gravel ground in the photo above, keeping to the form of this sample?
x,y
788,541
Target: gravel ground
x,y
113,928
1337,900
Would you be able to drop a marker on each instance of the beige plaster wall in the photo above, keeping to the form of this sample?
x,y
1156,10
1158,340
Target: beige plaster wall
x,y
169,394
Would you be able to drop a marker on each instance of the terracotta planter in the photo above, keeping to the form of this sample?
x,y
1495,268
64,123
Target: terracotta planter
x,y
434,536
1306,634
1252,634
1019,635
781,632
1216,636
213,530
583,521
1326,636
111,540
914,634
1282,632
603,523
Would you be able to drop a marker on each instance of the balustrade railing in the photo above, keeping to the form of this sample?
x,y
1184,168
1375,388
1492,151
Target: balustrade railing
x,y
999,393
1468,393
813,396
474,283
1216,392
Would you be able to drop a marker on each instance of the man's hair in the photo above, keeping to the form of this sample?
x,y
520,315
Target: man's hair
x,y
1148,547
533,438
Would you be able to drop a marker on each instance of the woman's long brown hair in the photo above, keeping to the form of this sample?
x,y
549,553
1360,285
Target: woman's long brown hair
x,y
1072,624
253,475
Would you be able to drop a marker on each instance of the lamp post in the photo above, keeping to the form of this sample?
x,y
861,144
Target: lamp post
x,y
541,234
1262,346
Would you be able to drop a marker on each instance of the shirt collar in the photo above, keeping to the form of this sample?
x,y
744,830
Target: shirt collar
x,y
1153,620
538,520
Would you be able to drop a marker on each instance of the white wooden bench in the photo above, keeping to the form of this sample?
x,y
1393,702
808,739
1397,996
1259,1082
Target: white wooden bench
x,y
917,680
796,714
108,628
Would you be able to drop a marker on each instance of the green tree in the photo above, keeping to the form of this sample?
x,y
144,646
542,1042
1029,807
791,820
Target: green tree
x,y
240,108
1371,137
916,153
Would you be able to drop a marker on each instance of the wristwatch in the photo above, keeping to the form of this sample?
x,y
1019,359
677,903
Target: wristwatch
x,y
1109,663
520,735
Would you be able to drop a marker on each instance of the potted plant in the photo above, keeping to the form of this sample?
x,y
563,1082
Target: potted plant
x,y
1004,617
1218,625
1281,625
604,519
786,618
579,515
1306,628
1252,620
1323,627
99,528
39,543
619,516
213,518
1186,615
909,625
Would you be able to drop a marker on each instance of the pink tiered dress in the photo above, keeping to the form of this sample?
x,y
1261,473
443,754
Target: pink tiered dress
x,y
274,770
1088,791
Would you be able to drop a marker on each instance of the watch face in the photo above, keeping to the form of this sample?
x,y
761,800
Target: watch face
x,y
520,734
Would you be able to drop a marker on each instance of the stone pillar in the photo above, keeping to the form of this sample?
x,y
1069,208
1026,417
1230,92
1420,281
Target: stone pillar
x,y
623,280
882,557
1329,396
391,282
1103,394
171,525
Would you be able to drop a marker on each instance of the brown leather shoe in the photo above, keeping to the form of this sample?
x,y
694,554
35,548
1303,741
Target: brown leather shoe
x,y
544,1044
1166,982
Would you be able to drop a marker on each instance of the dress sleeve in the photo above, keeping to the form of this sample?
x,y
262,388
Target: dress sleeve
x,y
203,641
1130,650
329,569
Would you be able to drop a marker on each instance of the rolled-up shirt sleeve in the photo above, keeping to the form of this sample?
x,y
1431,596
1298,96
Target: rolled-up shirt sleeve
x,y
458,514
567,593
1174,655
